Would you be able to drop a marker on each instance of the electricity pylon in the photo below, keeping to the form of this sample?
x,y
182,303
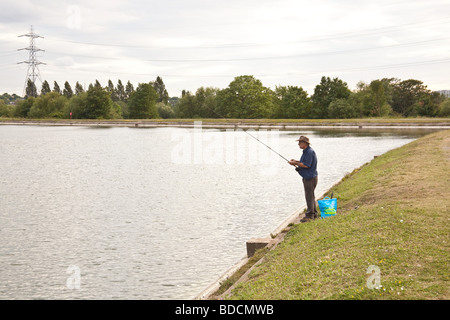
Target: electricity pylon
x,y
33,62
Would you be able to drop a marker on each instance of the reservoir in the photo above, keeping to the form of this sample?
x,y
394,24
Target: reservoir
x,y
152,213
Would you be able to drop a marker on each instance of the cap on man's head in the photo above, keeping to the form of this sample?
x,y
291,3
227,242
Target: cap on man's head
x,y
303,139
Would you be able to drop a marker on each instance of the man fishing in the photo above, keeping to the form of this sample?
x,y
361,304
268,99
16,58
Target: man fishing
x,y
307,168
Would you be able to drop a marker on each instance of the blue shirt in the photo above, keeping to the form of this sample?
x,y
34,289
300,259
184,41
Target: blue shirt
x,y
309,159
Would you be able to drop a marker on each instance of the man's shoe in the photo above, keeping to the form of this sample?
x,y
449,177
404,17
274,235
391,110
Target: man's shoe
x,y
306,219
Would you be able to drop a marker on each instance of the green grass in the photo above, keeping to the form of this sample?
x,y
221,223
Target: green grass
x,y
230,281
392,214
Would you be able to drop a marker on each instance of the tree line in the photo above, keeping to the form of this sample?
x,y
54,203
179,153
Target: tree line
x,y
245,97
97,102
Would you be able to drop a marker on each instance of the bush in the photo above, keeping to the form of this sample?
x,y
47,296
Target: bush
x,y
341,109
77,105
50,105
444,108
116,110
6,110
23,107
165,111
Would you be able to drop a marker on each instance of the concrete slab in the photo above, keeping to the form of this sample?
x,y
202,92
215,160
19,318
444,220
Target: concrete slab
x,y
255,244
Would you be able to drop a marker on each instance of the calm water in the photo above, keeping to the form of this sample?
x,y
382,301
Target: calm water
x,y
157,213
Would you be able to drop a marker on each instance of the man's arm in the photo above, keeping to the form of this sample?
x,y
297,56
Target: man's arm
x,y
298,164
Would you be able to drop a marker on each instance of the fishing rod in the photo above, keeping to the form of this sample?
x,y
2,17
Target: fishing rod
x,y
249,134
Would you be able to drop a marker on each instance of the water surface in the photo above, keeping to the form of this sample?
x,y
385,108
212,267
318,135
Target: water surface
x,y
156,213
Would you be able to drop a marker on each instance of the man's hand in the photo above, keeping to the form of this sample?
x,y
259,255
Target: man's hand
x,y
293,162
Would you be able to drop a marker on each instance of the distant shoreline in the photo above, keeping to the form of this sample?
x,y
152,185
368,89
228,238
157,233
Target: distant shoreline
x,y
282,124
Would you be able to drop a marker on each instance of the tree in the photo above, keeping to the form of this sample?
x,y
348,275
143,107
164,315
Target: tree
x,y
326,92
30,90
245,97
23,107
10,98
78,88
406,94
98,104
45,88
444,108
142,103
165,111
377,94
120,91
6,110
186,107
360,99
67,92
129,89
173,101
371,99
111,90
97,84
56,87
206,102
81,106
428,104
51,105
379,97
125,113
116,110
201,105
291,103
342,109
161,91
78,105
117,93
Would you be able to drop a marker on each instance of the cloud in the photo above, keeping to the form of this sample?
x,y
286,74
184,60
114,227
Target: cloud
x,y
387,41
64,62
15,12
196,43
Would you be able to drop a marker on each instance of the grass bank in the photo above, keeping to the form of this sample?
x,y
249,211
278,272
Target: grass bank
x,y
393,216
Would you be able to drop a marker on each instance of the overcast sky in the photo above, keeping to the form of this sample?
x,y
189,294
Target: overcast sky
x,y
195,43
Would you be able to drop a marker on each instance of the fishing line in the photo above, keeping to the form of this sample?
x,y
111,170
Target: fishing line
x,y
248,134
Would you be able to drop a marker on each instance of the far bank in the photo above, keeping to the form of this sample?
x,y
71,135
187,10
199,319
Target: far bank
x,y
280,124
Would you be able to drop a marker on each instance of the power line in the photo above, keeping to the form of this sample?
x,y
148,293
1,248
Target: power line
x,y
379,67
365,32
416,43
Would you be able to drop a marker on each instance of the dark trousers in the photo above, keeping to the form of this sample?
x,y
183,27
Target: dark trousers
x,y
310,186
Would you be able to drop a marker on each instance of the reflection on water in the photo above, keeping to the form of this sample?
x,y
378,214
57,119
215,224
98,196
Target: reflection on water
x,y
124,213
413,132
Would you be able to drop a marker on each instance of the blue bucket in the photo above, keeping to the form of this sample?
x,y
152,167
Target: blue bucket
x,y
327,207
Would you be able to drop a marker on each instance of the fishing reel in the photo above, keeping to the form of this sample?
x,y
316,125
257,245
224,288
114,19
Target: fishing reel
x,y
298,169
